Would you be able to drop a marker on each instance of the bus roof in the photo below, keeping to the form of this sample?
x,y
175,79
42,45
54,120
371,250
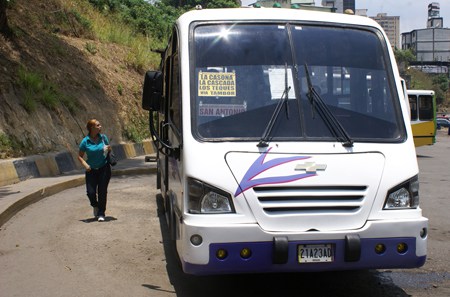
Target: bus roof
x,y
274,14
420,92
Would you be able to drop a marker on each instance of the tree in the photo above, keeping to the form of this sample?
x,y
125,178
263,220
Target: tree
x,y
203,3
440,85
5,30
156,17
441,81
404,58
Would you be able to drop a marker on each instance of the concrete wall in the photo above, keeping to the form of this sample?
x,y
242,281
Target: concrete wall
x,y
16,170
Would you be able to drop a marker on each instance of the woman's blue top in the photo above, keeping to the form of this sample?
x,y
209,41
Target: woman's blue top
x,y
96,156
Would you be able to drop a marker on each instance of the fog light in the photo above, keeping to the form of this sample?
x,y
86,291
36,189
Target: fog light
x,y
402,248
196,239
380,248
246,253
221,254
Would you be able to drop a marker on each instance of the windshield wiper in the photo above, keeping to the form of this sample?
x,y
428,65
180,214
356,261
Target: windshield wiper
x,y
330,120
283,101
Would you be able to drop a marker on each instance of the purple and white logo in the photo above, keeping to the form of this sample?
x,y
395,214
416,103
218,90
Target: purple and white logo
x,y
251,179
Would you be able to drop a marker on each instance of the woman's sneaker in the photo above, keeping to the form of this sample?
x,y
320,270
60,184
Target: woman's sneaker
x,y
101,218
96,212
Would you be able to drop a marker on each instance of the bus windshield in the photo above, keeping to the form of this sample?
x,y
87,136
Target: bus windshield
x,y
242,71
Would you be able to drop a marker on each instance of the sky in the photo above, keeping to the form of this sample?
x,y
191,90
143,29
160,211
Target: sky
x,y
413,13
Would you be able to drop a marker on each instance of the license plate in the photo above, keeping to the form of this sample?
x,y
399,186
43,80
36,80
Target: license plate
x,y
315,253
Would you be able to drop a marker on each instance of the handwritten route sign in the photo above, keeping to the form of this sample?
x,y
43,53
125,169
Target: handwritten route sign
x,y
217,84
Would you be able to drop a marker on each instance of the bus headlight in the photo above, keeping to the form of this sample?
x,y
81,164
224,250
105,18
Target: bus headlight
x,y
206,199
404,196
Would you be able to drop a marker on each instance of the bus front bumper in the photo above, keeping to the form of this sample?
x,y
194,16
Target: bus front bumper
x,y
377,246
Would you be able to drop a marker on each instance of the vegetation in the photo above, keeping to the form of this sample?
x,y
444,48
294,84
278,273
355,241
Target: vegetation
x,y
109,26
8,147
91,48
440,86
134,129
439,83
404,58
5,143
36,90
420,80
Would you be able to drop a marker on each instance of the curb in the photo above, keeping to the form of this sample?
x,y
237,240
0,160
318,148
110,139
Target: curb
x,y
53,164
36,196
47,191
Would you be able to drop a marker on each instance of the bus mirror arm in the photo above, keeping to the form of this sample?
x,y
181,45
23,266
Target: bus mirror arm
x,y
162,146
172,152
175,153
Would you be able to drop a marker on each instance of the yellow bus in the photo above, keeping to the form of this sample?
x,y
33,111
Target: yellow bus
x,y
422,105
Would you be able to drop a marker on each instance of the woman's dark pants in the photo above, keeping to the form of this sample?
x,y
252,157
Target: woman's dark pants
x,y
97,181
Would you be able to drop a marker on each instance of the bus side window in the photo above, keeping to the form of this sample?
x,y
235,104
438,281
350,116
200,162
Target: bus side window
x,y
173,82
413,107
426,107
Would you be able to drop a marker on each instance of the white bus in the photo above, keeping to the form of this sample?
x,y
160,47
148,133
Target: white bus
x,y
284,144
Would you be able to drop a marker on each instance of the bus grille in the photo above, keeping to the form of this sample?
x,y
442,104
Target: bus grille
x,y
311,199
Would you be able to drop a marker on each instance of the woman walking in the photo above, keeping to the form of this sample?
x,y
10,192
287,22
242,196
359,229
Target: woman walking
x,y
98,172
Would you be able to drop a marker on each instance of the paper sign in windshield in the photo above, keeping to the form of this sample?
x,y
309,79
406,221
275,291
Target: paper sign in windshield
x,y
277,78
217,84
220,110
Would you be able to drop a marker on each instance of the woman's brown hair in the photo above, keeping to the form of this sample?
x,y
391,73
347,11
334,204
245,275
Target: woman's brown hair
x,y
91,124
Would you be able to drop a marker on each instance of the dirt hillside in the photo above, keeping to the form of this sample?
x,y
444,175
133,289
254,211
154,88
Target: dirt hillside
x,y
98,83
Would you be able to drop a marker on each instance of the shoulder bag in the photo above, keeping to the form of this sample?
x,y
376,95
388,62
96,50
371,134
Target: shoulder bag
x,y
110,157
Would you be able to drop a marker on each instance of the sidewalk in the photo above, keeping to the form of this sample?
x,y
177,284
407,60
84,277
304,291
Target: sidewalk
x,y
16,197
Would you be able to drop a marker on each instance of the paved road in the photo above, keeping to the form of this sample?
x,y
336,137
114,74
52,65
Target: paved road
x,y
54,248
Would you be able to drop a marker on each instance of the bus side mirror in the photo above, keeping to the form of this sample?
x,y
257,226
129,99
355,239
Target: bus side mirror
x,y
152,92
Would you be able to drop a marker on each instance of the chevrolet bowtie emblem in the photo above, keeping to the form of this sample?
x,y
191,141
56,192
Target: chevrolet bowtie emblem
x,y
310,167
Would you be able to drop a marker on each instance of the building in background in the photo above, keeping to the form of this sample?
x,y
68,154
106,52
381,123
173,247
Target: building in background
x,y
434,19
298,4
361,12
390,25
340,5
431,46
